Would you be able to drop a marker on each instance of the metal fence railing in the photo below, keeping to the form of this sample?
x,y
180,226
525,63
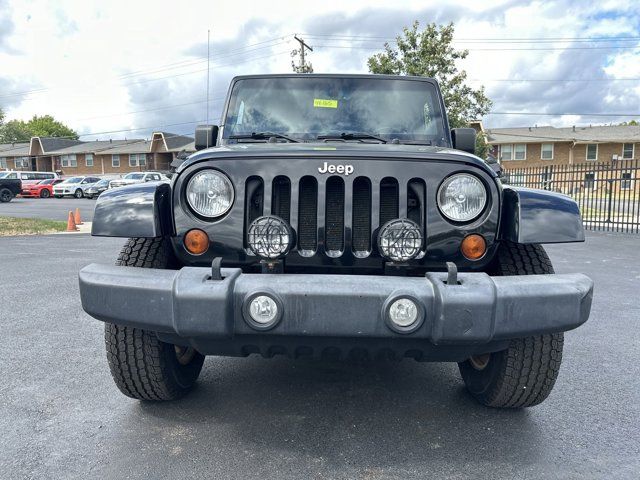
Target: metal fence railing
x,y
608,193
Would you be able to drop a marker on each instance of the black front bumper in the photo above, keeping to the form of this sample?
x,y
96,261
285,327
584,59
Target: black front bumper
x,y
479,314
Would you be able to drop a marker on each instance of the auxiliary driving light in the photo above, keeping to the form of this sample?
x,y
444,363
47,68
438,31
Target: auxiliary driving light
x,y
400,240
262,311
269,237
403,314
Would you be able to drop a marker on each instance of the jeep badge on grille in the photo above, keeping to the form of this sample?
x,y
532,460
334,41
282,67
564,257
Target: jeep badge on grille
x,y
341,169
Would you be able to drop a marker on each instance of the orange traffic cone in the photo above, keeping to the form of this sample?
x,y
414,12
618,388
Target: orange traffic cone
x,y
71,223
77,218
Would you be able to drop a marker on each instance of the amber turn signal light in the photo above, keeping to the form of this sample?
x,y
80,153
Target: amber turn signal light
x,y
473,246
196,242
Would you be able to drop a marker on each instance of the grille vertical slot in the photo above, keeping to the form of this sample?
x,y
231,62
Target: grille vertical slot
x,y
361,217
253,201
389,200
308,214
416,194
334,215
281,198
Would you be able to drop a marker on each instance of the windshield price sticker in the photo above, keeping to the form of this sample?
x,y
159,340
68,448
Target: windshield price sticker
x,y
324,103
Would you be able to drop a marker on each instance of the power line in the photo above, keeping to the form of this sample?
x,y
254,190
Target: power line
x,y
146,80
568,114
528,49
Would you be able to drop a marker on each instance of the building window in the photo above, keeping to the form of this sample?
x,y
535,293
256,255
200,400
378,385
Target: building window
x,y
519,151
547,151
626,181
115,161
3,163
627,151
506,152
137,159
589,181
69,161
592,151
88,158
22,162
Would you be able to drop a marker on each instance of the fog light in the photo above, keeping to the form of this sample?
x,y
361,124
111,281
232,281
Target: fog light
x,y
269,237
262,311
400,240
196,242
403,312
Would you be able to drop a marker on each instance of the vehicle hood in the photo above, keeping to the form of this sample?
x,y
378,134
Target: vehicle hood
x,y
316,150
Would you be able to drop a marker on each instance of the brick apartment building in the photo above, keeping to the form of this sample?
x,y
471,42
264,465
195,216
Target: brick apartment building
x,y
570,160
540,146
100,157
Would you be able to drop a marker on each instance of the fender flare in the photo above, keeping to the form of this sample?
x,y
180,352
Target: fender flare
x,y
140,210
539,216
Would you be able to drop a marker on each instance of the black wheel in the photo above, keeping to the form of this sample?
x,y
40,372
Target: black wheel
x,y
90,197
44,193
524,374
78,193
5,195
142,366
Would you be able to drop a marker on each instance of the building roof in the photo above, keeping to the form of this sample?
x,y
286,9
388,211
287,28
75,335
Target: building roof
x,y
170,142
14,149
591,134
46,145
96,146
134,146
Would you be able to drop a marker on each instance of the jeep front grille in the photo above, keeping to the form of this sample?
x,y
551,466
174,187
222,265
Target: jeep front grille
x,y
335,214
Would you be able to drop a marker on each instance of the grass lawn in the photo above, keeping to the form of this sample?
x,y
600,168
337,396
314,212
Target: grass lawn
x,y
10,226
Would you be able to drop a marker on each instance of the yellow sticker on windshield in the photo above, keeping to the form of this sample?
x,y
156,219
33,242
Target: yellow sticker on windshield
x,y
324,103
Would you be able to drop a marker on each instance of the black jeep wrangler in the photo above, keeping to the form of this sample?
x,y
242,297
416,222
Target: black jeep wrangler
x,y
336,216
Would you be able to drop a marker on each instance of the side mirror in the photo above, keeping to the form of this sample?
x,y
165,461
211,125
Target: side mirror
x,y
464,139
206,136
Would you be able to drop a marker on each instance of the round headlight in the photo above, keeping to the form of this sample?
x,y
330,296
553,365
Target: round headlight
x,y
462,197
400,240
269,237
210,193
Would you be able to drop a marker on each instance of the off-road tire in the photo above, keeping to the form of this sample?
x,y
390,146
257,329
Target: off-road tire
x,y
142,366
44,193
5,195
524,374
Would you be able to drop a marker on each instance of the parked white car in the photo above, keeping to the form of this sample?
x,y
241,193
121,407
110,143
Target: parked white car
x,y
137,177
74,186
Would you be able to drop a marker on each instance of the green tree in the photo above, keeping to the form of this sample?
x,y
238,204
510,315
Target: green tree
x,y
635,123
14,131
428,53
44,126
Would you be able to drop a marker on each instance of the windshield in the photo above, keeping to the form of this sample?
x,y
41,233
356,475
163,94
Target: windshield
x,y
102,183
308,107
73,180
134,176
4,174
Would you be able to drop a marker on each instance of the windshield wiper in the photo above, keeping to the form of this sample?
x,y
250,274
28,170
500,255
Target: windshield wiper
x,y
263,136
352,136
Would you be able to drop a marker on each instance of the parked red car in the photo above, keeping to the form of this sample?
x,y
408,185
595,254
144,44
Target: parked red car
x,y
42,189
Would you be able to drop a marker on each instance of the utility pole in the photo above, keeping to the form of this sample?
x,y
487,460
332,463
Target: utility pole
x,y
303,67
208,49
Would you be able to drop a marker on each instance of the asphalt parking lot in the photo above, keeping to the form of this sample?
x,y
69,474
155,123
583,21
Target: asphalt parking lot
x,y
48,208
62,417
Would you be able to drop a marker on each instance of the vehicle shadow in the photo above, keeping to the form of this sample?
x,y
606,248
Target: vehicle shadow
x,y
369,414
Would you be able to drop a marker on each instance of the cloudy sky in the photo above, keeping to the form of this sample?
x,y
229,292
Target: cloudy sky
x,y
124,68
